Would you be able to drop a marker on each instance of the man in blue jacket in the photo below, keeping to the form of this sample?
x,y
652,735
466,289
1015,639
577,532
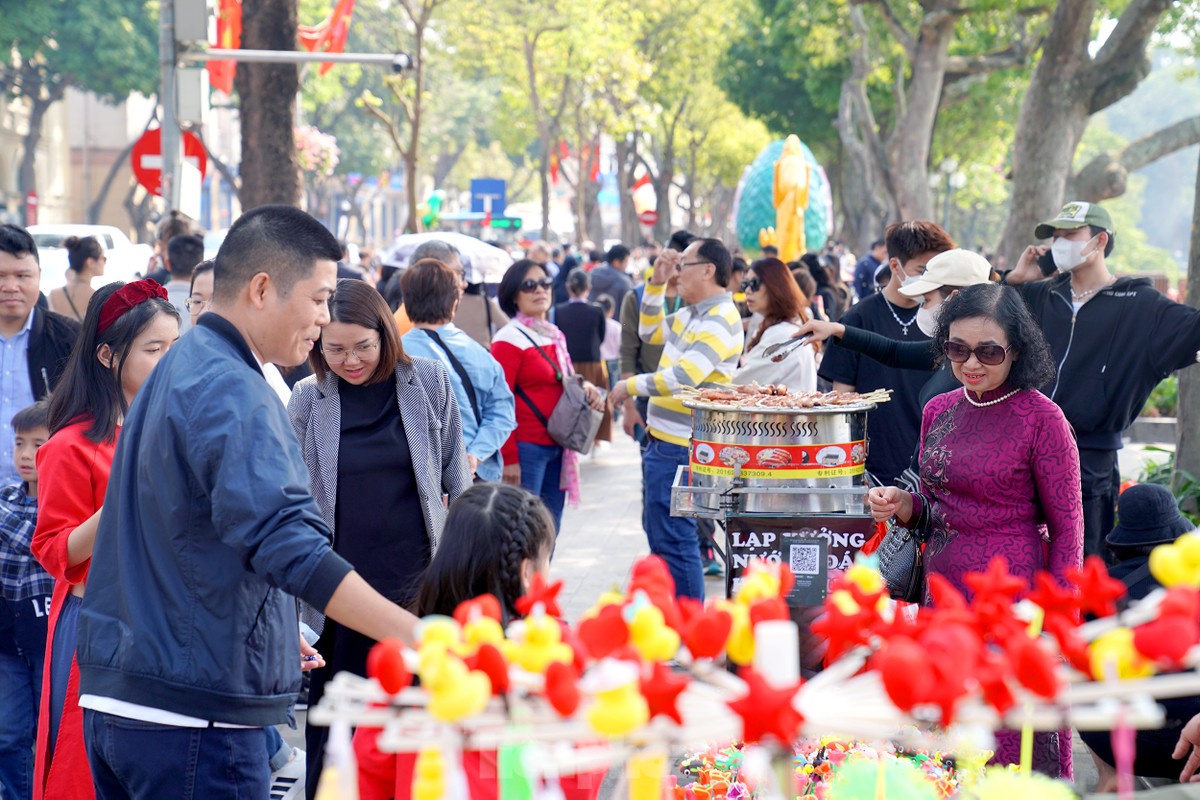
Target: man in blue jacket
x,y
188,636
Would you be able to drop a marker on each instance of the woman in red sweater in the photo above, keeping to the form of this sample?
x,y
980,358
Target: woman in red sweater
x,y
533,353
126,331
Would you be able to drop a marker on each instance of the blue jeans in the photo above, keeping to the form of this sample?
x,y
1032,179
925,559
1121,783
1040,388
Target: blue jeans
x,y
671,538
134,759
541,473
22,653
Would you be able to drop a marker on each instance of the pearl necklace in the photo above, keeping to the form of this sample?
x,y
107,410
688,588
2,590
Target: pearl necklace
x,y
985,403
1078,296
904,326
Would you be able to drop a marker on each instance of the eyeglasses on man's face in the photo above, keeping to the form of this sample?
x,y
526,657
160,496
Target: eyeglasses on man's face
x,y
679,267
339,355
195,304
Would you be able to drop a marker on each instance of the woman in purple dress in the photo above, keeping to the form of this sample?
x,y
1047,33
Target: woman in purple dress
x,y
999,465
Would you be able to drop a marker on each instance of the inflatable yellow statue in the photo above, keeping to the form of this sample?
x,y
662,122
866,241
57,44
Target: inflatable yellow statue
x,y
791,199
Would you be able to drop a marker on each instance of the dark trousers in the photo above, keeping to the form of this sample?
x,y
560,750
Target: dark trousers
x,y
343,649
22,653
1101,483
131,759
671,538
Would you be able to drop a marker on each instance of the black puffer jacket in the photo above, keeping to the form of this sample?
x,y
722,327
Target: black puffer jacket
x,y
51,337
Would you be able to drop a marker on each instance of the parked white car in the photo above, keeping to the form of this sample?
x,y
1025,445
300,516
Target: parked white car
x,y
126,261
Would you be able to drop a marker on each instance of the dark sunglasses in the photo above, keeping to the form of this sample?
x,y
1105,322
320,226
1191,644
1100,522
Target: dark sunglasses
x,y
530,285
987,354
752,285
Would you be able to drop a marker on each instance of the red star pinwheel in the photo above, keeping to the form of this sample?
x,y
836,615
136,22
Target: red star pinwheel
x,y
1098,593
486,605
843,631
661,686
1053,599
996,583
766,711
541,592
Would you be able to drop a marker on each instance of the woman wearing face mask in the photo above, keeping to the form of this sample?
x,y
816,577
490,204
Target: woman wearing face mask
x,y
772,293
999,468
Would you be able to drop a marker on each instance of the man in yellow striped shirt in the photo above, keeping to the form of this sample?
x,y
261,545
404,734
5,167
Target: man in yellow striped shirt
x,y
701,345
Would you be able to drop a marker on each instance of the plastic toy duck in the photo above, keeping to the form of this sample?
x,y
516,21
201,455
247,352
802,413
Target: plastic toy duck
x,y
455,692
1113,655
429,781
482,630
438,631
537,643
619,707
1177,564
761,582
648,632
740,646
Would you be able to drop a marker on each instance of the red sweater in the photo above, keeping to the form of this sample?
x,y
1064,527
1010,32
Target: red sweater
x,y
524,367
72,479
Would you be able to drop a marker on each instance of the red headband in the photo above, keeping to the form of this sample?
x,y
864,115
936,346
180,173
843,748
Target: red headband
x,y
125,298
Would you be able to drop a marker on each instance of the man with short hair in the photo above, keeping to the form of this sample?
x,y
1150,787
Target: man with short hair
x,y
893,427
701,346
184,252
477,316
187,635
433,293
1113,340
34,342
610,277
864,270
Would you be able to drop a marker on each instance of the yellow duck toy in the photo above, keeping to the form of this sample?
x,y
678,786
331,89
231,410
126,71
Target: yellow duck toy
x,y
866,579
740,645
538,644
429,782
1177,564
619,707
759,583
481,630
650,635
1113,655
455,692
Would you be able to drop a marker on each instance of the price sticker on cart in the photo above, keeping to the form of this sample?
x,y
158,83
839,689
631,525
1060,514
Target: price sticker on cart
x,y
779,461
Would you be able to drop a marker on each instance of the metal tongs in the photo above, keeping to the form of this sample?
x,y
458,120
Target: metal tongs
x,y
778,352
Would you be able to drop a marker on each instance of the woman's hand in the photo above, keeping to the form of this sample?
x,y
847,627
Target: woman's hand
x,y
1189,745
309,657
889,501
511,474
818,330
595,397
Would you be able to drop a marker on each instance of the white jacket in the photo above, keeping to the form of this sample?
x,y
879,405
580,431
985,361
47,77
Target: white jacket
x,y
798,371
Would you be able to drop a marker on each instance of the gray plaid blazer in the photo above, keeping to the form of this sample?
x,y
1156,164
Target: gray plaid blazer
x,y
431,424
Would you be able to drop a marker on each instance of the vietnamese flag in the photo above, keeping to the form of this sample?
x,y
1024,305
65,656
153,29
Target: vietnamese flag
x,y
229,37
330,35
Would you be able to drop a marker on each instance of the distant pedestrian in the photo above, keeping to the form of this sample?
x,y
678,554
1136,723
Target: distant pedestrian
x,y
585,328
85,260
610,277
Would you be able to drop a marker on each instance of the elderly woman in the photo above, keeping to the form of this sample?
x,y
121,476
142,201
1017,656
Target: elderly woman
x,y
533,353
772,293
999,466
383,443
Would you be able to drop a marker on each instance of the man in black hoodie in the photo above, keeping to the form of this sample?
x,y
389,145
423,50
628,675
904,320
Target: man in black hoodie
x,y
1113,340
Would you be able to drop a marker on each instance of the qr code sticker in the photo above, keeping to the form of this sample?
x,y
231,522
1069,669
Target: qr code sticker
x,y
805,559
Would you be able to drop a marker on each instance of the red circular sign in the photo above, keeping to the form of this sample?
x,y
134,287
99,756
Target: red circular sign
x,y
648,217
146,158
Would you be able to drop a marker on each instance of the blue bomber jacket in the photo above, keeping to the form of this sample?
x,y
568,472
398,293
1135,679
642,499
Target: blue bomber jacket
x,y
208,527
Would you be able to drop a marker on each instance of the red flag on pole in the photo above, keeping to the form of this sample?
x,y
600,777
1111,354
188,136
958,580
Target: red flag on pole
x,y
330,34
229,37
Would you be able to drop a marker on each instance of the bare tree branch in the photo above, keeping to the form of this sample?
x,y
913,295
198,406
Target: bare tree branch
x,y
1105,176
1122,63
906,39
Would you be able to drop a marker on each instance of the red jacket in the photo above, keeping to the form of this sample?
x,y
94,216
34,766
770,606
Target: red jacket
x,y
72,480
526,369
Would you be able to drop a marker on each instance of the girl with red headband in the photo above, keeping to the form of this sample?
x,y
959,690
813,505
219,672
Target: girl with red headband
x,y
126,331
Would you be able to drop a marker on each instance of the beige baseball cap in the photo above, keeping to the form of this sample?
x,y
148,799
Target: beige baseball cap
x,y
956,267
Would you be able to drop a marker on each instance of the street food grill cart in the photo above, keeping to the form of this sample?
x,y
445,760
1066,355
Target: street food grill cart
x,y
788,483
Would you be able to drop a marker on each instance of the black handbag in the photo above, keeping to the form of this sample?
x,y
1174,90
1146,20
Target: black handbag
x,y
901,561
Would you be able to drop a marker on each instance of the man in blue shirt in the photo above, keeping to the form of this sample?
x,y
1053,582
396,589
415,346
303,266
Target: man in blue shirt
x,y
865,269
431,294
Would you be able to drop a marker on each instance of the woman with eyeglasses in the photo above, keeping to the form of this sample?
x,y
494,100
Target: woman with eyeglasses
x,y
533,353
999,466
773,295
382,439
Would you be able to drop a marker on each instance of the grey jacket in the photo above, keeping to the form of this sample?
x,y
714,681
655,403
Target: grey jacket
x,y
431,424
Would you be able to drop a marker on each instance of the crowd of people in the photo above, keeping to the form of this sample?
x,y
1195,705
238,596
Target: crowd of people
x,y
236,471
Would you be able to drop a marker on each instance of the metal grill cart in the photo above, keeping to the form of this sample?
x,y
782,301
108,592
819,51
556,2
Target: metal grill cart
x,y
788,484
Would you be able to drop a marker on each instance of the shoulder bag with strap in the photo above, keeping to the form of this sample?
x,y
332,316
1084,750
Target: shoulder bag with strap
x,y
460,371
902,557
573,423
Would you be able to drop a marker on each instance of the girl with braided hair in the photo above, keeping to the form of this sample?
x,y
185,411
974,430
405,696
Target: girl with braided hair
x,y
497,537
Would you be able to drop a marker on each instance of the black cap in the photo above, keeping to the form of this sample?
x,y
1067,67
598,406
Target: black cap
x,y
1147,515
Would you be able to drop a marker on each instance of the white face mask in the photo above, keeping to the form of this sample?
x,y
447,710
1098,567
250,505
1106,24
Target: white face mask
x,y
927,319
1068,254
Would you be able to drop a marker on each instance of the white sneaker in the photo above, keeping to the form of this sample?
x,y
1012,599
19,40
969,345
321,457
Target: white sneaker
x,y
287,783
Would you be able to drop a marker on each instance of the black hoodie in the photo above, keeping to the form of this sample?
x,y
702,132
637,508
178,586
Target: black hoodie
x,y
1112,353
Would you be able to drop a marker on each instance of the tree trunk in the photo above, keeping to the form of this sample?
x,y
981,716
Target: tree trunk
x,y
1187,444
27,172
267,98
1068,86
412,152
908,147
626,163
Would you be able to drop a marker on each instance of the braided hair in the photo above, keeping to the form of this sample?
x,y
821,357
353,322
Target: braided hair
x,y
490,531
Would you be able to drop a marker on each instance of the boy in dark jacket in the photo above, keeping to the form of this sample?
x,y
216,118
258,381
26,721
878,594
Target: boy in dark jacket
x,y
1113,340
